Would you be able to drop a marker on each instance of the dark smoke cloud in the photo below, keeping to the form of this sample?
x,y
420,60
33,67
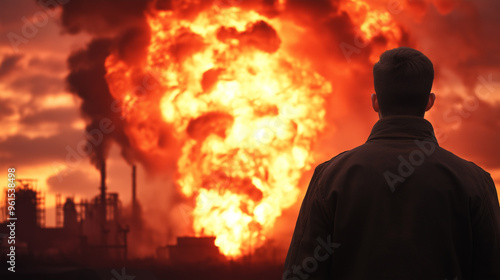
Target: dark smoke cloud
x,y
118,28
9,63
86,80
102,18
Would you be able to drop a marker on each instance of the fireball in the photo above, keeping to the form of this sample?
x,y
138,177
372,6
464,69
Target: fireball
x,y
245,112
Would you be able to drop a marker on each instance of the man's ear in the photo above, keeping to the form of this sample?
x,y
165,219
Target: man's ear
x,y
375,102
430,103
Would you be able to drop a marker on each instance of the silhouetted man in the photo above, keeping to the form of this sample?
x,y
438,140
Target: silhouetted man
x,y
398,206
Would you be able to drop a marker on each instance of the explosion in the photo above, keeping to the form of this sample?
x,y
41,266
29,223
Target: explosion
x,y
244,110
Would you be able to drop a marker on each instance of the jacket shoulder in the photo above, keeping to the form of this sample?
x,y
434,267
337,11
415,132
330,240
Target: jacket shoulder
x,y
330,161
450,157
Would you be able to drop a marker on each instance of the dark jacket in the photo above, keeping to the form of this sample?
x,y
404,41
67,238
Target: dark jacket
x,y
397,207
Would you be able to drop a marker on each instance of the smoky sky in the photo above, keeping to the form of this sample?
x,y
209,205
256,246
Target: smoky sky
x,y
468,49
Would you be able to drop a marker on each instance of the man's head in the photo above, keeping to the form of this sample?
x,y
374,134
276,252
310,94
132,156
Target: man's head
x,y
403,80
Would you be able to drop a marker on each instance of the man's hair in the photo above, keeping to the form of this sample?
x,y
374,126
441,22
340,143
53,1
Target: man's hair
x,y
403,80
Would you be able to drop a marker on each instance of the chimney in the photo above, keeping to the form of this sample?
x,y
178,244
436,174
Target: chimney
x,y
103,191
134,188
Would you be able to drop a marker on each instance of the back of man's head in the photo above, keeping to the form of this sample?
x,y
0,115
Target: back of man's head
x,y
403,80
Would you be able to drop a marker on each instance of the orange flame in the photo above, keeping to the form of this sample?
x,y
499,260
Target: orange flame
x,y
244,109
373,22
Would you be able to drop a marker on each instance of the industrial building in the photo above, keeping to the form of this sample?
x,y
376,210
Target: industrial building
x,y
90,231
86,228
191,250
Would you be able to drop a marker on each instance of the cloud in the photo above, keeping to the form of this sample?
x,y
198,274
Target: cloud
x,y
37,85
74,182
9,64
63,117
12,11
6,108
52,65
20,150
478,133
102,17
87,81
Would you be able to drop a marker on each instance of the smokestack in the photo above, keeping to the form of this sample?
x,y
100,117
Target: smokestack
x,y
103,191
134,188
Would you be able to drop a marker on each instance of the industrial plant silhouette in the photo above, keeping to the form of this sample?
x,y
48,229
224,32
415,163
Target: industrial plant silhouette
x,y
94,235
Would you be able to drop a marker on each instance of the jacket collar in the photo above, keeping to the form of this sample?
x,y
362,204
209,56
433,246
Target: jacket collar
x,y
410,127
